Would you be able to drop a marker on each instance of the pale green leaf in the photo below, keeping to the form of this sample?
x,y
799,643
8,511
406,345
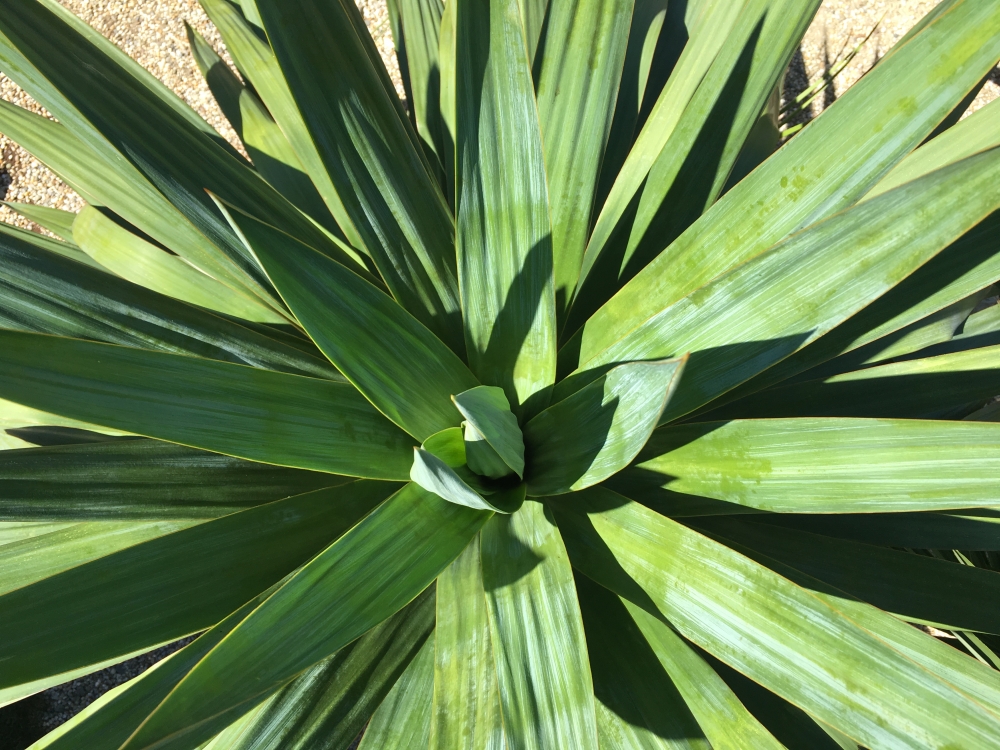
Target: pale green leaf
x,y
504,234
466,692
546,688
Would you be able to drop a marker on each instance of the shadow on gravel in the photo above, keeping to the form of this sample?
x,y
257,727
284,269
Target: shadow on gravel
x,y
30,719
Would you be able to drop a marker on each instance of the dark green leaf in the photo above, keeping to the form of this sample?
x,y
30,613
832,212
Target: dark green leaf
x,y
371,572
400,366
370,153
272,417
158,591
140,479
47,294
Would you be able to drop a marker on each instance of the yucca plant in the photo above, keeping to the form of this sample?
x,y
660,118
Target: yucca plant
x,y
552,408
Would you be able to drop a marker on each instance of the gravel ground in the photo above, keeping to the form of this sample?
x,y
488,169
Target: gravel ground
x,y
152,31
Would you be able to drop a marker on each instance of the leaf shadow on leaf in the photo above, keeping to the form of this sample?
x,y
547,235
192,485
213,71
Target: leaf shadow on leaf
x,y
938,395
697,183
521,559
629,679
599,417
694,188
588,551
509,333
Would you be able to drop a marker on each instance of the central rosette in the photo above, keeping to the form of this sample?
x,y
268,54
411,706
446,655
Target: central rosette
x,y
480,463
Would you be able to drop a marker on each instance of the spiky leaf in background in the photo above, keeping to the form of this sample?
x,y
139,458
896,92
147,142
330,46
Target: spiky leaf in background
x,y
558,406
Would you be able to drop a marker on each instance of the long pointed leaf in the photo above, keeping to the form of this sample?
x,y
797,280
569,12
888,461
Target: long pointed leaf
x,y
400,366
330,704
504,232
157,591
282,419
48,294
370,155
826,168
766,309
546,688
403,720
577,89
466,692
770,629
140,479
822,465
397,551
131,257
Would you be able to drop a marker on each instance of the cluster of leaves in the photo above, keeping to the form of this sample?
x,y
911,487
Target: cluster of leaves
x,y
555,409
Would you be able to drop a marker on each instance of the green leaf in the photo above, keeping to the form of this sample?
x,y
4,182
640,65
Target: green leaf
x,y
139,480
371,156
913,587
546,688
533,18
48,294
975,529
267,146
131,257
692,168
597,431
103,178
504,233
122,112
371,572
435,476
487,410
726,722
577,89
272,417
331,702
14,416
107,722
649,31
39,557
662,120
918,388
481,458
158,591
403,720
466,692
764,310
16,693
762,625
448,445
59,222
824,169
49,244
638,705
960,271
822,465
254,58
975,133
791,726
971,676
400,366
420,24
